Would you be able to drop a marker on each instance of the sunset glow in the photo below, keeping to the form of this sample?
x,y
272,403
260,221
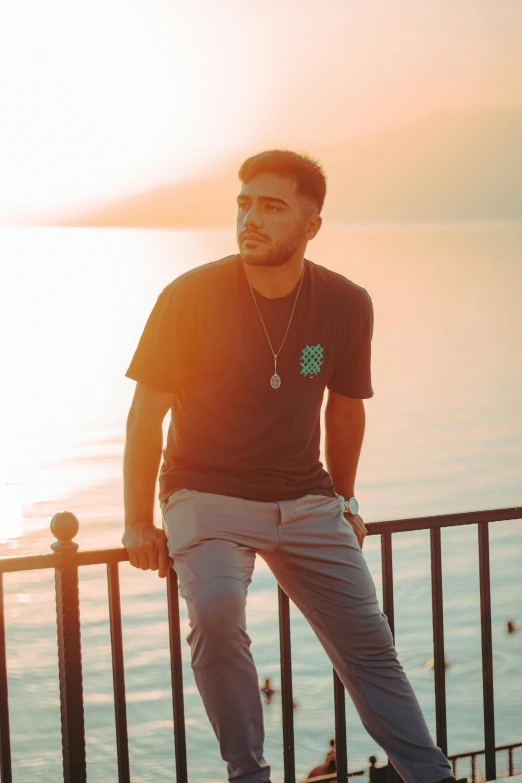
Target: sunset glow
x,y
288,234
106,99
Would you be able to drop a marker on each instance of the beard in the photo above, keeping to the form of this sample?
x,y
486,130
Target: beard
x,y
272,255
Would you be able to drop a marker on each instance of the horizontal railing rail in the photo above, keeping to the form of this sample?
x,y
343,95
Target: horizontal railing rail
x,y
472,756
118,554
332,776
454,757
66,559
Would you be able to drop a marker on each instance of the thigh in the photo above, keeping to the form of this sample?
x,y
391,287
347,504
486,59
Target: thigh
x,y
199,549
319,545
321,567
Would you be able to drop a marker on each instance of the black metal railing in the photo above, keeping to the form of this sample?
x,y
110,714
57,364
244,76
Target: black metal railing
x,y
66,560
472,756
376,773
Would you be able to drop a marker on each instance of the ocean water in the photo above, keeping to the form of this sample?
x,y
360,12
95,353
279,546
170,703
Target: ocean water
x,y
443,434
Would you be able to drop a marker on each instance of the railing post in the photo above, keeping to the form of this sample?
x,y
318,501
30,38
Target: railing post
x,y
387,600
118,673
176,673
341,752
287,701
6,775
439,661
387,580
65,526
487,652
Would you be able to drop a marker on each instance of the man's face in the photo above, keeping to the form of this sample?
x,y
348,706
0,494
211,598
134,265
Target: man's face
x,y
270,208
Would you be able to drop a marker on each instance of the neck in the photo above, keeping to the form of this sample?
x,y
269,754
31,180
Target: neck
x,y
275,281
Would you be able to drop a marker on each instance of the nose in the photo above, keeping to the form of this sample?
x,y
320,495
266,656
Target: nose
x,y
251,218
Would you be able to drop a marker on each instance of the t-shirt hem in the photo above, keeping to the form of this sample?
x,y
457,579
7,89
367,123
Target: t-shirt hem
x,y
267,497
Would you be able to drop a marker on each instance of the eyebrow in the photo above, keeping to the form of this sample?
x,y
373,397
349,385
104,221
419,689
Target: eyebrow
x,y
264,198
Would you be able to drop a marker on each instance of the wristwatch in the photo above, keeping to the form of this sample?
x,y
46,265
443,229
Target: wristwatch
x,y
351,506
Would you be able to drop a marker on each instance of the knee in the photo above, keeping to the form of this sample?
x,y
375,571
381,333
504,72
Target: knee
x,y
216,603
366,639
217,617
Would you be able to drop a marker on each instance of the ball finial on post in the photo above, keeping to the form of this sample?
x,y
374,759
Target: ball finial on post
x,y
64,526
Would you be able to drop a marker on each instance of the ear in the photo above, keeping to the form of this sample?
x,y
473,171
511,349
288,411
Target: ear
x,y
314,224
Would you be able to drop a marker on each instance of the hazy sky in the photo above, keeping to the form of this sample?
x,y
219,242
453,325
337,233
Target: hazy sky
x,y
108,97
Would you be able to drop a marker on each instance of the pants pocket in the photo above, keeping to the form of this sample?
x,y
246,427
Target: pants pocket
x,y
175,497
179,519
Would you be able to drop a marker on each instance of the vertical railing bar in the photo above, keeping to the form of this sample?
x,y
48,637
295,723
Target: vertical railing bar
x,y
487,652
6,773
340,730
118,673
178,707
286,686
387,601
454,767
473,768
387,579
65,526
438,639
510,761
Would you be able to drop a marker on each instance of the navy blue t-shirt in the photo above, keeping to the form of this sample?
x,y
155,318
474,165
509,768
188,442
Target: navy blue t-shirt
x,y
230,432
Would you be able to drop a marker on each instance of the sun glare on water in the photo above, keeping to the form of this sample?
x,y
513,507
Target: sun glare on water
x,y
61,319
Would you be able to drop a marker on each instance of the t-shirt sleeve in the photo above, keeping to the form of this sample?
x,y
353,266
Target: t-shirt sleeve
x,y
351,375
162,356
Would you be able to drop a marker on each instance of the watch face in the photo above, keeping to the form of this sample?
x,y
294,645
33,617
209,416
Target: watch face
x,y
353,506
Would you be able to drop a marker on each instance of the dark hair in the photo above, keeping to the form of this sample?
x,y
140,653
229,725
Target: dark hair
x,y
306,172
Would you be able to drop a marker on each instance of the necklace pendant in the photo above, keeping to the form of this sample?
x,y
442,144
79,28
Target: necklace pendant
x,y
275,381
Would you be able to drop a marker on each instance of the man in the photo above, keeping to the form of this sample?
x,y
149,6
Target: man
x,y
241,350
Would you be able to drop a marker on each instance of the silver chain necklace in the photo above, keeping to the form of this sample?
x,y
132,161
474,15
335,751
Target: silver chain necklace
x,y
275,380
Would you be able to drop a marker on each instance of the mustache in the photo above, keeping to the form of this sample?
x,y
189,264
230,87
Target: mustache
x,y
247,235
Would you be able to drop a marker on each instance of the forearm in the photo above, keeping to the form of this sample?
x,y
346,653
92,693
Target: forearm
x,y
143,448
343,441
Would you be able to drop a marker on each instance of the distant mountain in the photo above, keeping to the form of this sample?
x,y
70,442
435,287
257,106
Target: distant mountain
x,y
446,166
443,167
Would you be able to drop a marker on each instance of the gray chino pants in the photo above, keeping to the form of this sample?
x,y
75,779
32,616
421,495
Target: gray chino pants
x,y
314,554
